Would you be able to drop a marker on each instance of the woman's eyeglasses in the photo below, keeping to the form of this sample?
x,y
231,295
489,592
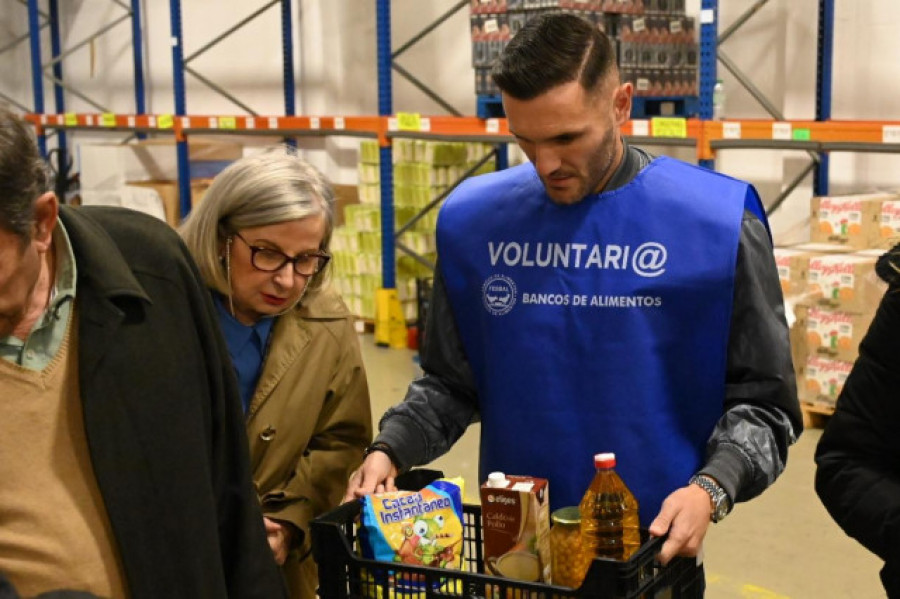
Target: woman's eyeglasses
x,y
269,260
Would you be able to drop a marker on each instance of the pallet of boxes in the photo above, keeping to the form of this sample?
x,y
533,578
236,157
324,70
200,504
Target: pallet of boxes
x,y
831,291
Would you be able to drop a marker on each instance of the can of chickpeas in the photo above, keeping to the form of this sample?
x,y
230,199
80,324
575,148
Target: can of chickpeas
x,y
569,564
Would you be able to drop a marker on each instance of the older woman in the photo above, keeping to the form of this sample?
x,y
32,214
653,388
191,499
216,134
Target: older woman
x,y
260,239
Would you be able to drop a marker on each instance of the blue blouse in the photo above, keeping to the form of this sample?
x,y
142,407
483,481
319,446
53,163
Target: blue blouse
x,y
247,347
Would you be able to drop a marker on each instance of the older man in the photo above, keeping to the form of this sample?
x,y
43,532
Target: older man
x,y
122,448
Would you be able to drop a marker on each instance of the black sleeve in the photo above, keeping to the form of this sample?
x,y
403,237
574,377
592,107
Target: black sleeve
x,y
250,570
858,456
748,448
441,404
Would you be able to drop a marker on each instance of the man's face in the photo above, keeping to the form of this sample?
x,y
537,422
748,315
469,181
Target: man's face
x,y
20,265
571,136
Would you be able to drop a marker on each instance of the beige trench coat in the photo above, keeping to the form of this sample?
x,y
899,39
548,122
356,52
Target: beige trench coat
x,y
308,422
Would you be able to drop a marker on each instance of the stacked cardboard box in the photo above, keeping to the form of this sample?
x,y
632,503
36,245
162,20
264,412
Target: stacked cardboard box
x,y
831,288
655,41
423,172
143,176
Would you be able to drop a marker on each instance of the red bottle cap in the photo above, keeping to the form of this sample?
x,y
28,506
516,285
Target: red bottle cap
x,y
605,460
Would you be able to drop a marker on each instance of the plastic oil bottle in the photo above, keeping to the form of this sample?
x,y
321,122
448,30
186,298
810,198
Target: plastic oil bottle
x,y
610,526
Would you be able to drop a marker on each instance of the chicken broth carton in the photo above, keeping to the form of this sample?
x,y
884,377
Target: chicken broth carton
x,y
515,523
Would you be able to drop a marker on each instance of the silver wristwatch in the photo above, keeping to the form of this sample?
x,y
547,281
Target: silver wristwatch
x,y
721,504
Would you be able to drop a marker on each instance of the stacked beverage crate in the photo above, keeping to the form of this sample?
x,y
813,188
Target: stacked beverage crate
x,y
655,41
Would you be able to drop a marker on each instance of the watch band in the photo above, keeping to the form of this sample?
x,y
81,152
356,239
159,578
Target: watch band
x,y
383,448
719,500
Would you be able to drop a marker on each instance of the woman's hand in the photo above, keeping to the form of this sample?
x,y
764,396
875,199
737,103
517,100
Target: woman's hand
x,y
280,536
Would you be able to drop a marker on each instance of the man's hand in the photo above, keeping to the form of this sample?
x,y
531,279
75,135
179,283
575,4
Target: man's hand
x,y
685,516
376,475
280,536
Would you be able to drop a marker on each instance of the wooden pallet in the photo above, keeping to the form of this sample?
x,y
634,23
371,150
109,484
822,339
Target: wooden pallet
x,y
816,415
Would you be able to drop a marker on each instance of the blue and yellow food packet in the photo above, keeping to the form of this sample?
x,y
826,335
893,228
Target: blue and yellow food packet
x,y
418,528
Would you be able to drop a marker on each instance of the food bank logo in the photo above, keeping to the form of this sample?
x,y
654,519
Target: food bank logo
x,y
499,294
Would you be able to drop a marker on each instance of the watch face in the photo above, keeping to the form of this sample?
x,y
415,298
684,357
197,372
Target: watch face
x,y
721,510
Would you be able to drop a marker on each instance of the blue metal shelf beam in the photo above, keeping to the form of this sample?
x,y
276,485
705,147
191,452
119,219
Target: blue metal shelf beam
x,y
824,59
287,49
180,66
709,27
62,152
137,45
37,81
184,166
386,167
55,68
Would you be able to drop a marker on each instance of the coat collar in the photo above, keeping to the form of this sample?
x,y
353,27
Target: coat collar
x,y
323,303
104,266
105,287
290,336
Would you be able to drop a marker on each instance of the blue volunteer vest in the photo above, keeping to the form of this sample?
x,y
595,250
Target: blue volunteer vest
x,y
599,326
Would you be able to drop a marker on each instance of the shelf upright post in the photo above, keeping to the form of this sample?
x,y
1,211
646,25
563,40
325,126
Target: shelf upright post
x,y
184,167
824,56
287,42
137,52
62,147
501,162
709,31
37,80
385,108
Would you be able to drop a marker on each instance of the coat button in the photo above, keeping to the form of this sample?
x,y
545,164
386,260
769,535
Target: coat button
x,y
268,434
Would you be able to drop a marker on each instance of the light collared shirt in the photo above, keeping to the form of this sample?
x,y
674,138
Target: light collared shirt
x,y
45,337
247,347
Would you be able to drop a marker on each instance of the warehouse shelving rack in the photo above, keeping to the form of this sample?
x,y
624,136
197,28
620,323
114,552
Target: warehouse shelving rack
x,y
53,70
819,136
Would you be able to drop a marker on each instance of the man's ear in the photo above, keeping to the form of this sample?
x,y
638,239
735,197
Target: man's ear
x,y
46,213
622,102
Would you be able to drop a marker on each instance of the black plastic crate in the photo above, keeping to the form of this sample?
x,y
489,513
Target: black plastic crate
x,y
343,574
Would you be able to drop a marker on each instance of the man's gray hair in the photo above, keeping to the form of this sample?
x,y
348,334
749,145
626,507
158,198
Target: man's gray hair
x,y
23,174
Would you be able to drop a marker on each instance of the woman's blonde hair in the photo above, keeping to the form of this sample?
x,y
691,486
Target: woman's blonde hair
x,y
265,189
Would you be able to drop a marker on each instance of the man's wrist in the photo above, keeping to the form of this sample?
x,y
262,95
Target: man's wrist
x,y
720,502
383,448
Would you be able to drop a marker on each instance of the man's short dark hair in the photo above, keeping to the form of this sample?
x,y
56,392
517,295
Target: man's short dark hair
x,y
551,50
23,174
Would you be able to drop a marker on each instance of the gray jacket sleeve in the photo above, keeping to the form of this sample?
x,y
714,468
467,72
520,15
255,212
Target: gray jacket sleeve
x,y
441,404
748,447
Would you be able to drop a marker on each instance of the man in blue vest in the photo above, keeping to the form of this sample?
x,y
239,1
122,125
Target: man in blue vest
x,y
600,299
